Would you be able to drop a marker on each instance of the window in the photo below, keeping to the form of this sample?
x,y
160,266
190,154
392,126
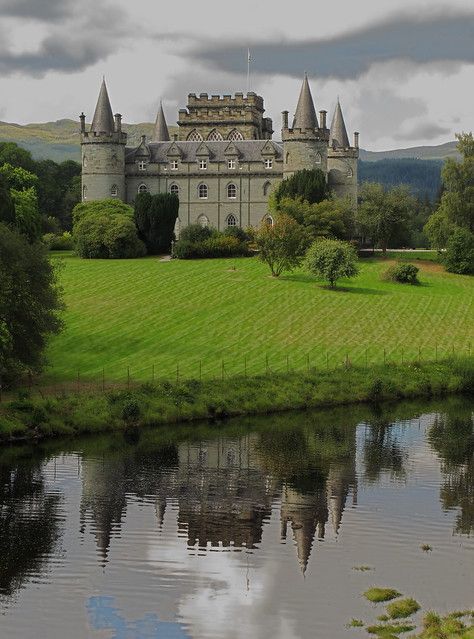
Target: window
x,y
318,159
287,158
194,136
142,165
203,220
268,220
174,189
84,192
174,165
143,188
269,163
84,162
231,164
214,135
349,172
231,220
235,135
266,188
231,191
202,191
114,191
202,165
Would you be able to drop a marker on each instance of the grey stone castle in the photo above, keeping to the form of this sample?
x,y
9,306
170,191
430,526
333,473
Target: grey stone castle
x,y
223,164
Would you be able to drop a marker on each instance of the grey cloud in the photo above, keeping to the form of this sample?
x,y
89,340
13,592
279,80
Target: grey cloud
x,y
425,131
45,10
441,36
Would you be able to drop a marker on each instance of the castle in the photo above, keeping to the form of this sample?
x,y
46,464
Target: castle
x,y
223,164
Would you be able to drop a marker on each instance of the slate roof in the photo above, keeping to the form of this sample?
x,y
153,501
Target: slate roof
x,y
248,150
338,137
305,114
103,121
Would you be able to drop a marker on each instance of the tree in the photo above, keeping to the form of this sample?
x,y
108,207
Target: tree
x,y
13,154
383,215
107,236
103,207
438,229
459,256
18,178
329,218
281,245
309,185
155,218
7,207
331,259
29,304
27,218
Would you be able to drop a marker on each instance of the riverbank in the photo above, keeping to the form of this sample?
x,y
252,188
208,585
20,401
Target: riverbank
x,y
30,418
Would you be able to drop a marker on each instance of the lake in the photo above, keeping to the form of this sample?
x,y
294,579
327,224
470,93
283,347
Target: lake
x,y
255,528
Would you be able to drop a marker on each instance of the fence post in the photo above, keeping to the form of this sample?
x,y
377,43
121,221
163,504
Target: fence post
x,y
153,373
419,353
128,377
347,360
177,372
307,362
266,363
287,363
384,356
366,359
78,381
327,360
469,349
223,370
436,352
103,379
453,350
200,370
402,355
245,366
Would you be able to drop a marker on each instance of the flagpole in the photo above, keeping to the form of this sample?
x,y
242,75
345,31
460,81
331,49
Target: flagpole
x,y
248,70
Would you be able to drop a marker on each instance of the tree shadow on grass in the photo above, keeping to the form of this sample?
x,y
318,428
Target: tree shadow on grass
x,y
308,279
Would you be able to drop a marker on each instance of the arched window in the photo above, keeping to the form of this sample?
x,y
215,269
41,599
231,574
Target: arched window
x,y
231,191
143,188
84,192
194,136
174,189
266,188
114,191
215,135
268,220
318,159
203,191
350,172
235,135
203,220
231,220
84,162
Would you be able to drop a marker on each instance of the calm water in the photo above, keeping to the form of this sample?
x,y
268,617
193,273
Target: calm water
x,y
248,530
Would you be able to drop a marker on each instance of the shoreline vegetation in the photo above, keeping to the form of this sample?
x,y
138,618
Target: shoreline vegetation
x,y
163,402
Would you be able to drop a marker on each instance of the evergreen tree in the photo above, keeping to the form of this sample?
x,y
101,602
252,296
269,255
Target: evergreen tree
x,y
309,185
155,218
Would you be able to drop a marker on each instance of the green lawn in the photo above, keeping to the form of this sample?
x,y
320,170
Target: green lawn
x,y
145,313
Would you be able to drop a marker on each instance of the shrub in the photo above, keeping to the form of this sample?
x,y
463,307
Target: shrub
x,y
196,233
104,236
238,232
459,256
216,245
403,273
331,259
402,608
103,207
130,411
62,242
377,595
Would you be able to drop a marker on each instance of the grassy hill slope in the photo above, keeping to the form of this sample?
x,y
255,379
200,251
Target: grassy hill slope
x,y
140,313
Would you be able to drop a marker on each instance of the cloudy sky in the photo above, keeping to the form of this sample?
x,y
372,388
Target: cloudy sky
x,y
404,69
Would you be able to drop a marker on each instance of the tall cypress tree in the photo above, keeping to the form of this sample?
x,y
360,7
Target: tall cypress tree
x,y
155,218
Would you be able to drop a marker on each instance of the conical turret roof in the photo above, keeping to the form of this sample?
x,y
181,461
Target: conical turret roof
x,y
161,133
305,115
103,121
338,136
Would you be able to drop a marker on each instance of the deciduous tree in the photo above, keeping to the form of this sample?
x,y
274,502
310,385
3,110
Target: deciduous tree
x,y
331,260
281,245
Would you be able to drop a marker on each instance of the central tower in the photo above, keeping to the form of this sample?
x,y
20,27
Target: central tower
x,y
305,144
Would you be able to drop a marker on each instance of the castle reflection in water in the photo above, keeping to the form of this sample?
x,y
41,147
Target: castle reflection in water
x,y
224,489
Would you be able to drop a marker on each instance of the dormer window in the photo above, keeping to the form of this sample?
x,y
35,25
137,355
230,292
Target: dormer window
x,y
142,165
174,165
202,165
231,164
269,163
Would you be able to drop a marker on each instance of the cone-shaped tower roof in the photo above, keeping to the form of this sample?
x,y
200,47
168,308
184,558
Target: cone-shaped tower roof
x,y
161,133
338,136
103,121
305,115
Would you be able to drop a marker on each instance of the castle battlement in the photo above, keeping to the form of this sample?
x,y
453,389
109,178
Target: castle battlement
x,y
218,101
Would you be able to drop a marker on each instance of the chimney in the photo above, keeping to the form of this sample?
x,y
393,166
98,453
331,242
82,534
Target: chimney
x,y
175,137
322,119
118,123
82,118
356,139
284,117
143,139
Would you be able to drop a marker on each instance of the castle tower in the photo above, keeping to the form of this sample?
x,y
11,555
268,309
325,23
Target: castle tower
x,y
342,158
305,144
103,153
161,133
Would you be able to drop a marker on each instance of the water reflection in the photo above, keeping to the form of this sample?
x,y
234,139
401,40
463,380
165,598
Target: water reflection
x,y
368,476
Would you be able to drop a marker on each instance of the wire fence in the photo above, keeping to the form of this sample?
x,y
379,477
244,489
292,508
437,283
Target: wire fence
x,y
108,379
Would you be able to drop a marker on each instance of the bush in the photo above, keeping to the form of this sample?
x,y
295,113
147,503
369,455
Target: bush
x,y
56,242
239,233
403,273
459,256
216,245
103,207
196,233
104,236
331,259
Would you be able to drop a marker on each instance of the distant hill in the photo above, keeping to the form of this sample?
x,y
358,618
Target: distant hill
x,y
439,152
422,176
